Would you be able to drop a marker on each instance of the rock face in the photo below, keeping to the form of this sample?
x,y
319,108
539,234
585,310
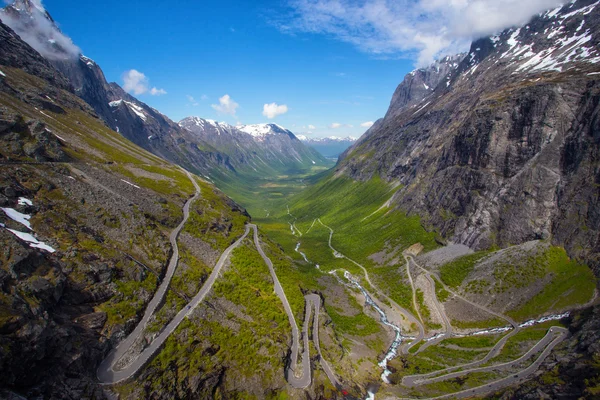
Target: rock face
x,y
261,149
505,148
422,82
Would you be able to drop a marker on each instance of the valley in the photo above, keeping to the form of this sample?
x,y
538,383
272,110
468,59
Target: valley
x,y
450,252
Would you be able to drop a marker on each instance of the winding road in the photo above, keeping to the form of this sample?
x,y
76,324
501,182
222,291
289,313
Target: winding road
x,y
400,310
546,343
107,373
512,379
298,379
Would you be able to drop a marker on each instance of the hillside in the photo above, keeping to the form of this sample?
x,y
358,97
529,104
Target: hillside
x,y
87,223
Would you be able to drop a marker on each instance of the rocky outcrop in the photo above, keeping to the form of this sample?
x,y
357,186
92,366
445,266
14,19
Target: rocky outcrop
x,y
421,82
505,149
18,54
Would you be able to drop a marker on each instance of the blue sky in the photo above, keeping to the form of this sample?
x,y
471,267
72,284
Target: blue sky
x,y
206,49
325,67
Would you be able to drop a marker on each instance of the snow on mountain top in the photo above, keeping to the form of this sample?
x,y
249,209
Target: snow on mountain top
x,y
258,131
87,60
137,110
566,44
201,122
261,130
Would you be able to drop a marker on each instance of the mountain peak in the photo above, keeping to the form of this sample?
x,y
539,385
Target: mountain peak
x,y
30,20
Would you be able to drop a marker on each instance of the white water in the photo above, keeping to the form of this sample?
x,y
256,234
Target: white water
x,y
301,253
392,351
525,324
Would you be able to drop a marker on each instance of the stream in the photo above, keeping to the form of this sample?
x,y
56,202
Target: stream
x,y
392,351
531,322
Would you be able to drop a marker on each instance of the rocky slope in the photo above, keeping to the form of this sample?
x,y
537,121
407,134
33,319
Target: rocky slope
x,y
504,149
85,219
263,149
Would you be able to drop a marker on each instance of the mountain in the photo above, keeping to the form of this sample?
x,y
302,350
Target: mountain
x,y
330,147
85,220
264,149
421,82
135,120
503,149
274,150
500,156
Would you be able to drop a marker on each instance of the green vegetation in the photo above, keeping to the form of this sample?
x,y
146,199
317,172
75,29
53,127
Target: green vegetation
x,y
473,342
425,312
522,342
571,283
450,356
251,338
455,272
441,293
352,209
358,324
127,304
214,220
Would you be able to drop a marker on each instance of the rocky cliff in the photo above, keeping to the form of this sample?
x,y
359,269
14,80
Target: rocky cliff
x,y
505,148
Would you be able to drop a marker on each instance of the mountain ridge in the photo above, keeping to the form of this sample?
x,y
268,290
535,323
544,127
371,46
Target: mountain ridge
x,y
490,100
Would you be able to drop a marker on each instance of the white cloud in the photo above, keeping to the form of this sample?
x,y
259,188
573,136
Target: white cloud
x,y
312,127
226,105
423,30
335,125
137,82
272,110
367,124
42,34
204,97
134,81
192,101
157,92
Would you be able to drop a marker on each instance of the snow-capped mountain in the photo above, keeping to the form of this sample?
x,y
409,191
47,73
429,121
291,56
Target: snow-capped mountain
x,y
330,147
268,148
504,148
421,82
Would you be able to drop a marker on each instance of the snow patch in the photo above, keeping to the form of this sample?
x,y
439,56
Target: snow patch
x,y
2,73
33,242
137,110
129,183
16,216
261,131
116,103
25,202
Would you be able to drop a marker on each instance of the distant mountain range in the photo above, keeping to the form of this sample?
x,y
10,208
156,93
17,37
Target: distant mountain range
x,y
253,149
330,147
262,149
